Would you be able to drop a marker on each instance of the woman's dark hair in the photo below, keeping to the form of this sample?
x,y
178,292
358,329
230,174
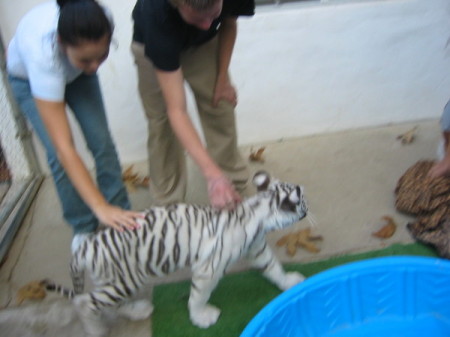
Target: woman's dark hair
x,y
82,20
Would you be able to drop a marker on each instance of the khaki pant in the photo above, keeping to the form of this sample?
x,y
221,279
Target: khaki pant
x,y
166,156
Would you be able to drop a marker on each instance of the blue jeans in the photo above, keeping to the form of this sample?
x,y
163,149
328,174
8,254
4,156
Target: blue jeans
x,y
84,97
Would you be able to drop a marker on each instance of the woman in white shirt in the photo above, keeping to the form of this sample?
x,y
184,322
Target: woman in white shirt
x,y
52,62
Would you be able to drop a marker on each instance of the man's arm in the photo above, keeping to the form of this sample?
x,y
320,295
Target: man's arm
x,y
221,192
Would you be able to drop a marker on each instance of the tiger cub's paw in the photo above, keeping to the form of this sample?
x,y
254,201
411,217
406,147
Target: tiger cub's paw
x,y
291,279
205,316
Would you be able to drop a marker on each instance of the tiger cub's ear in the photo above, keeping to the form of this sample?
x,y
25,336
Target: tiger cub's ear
x,y
294,196
261,179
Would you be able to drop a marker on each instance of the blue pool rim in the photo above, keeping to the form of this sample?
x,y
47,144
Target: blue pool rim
x,y
382,264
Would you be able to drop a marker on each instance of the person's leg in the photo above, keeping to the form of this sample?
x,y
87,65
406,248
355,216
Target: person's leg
x,y
75,211
445,125
219,126
446,136
85,100
166,156
442,166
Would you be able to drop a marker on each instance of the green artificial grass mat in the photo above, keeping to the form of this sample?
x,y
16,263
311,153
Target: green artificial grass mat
x,y
240,296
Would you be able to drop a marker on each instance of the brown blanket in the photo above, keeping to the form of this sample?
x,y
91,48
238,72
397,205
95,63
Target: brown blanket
x,y
429,200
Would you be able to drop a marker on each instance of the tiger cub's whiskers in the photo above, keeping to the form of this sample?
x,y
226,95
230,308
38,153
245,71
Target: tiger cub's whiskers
x,y
311,219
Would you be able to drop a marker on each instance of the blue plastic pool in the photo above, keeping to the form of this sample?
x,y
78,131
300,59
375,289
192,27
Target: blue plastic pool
x,y
391,296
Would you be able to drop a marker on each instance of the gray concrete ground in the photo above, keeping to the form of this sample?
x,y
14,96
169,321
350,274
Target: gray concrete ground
x,y
349,179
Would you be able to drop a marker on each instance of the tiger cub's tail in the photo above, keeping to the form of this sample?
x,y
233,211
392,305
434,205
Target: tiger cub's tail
x,y
59,289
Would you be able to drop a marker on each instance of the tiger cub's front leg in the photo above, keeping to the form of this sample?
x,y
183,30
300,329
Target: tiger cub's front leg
x,y
201,313
262,257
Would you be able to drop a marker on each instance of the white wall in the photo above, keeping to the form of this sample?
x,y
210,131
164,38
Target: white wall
x,y
302,69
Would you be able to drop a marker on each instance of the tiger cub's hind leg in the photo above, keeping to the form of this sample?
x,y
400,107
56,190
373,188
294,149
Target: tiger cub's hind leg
x,y
77,275
201,313
93,324
136,310
90,307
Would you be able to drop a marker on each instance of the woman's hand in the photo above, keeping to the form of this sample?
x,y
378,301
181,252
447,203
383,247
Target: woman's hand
x,y
222,193
117,217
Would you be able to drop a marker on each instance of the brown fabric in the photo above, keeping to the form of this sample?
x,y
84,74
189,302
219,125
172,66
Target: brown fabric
x,y
429,200
439,237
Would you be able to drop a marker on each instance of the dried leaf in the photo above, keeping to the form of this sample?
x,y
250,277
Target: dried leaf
x,y
408,137
387,230
290,241
133,180
305,240
283,240
291,247
34,290
301,238
257,156
145,181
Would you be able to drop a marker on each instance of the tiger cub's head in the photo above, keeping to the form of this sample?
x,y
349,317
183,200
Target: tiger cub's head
x,y
287,201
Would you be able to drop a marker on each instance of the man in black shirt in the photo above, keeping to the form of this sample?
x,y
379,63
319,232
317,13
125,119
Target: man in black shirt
x,y
192,40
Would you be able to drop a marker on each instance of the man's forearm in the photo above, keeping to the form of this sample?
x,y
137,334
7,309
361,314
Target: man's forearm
x,y
190,140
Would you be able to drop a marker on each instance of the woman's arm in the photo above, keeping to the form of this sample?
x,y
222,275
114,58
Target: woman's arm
x,y
54,116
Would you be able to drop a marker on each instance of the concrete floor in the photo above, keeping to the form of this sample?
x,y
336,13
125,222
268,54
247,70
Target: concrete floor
x,y
349,180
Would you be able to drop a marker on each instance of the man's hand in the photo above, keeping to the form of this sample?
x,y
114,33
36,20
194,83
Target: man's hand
x,y
224,90
222,193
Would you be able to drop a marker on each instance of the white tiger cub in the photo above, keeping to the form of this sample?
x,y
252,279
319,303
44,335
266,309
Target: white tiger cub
x,y
179,235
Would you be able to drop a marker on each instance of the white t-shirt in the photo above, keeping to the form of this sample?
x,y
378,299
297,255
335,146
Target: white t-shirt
x,y
35,54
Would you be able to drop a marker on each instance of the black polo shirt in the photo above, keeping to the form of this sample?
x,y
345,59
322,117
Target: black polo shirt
x,y
159,26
